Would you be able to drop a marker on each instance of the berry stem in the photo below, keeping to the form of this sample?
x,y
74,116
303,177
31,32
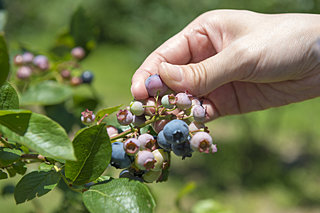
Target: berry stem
x,y
5,143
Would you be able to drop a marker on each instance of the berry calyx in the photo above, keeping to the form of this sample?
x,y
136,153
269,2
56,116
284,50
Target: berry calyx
x,y
201,142
168,101
131,146
87,117
145,160
147,142
124,117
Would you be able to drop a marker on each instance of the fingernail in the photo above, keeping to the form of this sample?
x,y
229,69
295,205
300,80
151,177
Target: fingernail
x,y
174,72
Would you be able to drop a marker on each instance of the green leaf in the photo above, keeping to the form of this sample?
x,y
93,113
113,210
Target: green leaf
x,y
15,120
8,97
93,150
35,184
119,195
45,167
3,175
42,135
108,111
20,167
46,93
4,60
9,156
11,171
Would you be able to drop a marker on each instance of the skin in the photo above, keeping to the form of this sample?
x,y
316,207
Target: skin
x,y
239,61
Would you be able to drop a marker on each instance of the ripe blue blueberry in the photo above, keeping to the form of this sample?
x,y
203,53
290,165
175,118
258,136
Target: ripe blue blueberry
x,y
136,107
24,72
145,160
183,149
199,113
131,146
147,142
162,142
41,62
87,77
124,117
119,158
201,142
183,101
155,85
176,131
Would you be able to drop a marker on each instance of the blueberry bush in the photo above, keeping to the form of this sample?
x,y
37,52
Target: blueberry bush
x,y
43,121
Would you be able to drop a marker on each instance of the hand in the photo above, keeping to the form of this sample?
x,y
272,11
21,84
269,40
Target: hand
x,y
239,61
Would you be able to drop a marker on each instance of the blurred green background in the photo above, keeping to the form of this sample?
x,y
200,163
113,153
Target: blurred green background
x,y
267,161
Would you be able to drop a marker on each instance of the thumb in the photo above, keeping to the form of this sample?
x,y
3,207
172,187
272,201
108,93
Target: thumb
x,y
202,78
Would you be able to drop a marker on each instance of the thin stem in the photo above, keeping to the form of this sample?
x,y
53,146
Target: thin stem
x,y
6,143
33,156
68,184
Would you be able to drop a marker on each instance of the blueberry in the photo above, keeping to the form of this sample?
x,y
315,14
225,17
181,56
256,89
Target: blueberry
x,y
136,107
162,142
87,77
183,101
147,142
155,85
27,57
78,53
201,142
145,160
75,81
112,131
24,72
195,126
87,117
151,107
214,148
168,101
137,121
161,157
151,176
66,74
159,125
183,149
18,60
131,146
176,131
119,158
41,62
199,113
124,117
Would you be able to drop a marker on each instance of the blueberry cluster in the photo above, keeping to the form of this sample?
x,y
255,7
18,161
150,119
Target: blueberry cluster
x,y
177,122
30,65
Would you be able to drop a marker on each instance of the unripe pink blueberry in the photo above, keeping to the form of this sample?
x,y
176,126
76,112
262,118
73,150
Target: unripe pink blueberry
x,y
27,57
201,142
150,109
24,72
87,117
41,62
136,107
131,146
124,117
183,101
66,74
195,126
18,60
147,142
78,53
155,85
112,131
145,160
75,81
199,113
195,101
